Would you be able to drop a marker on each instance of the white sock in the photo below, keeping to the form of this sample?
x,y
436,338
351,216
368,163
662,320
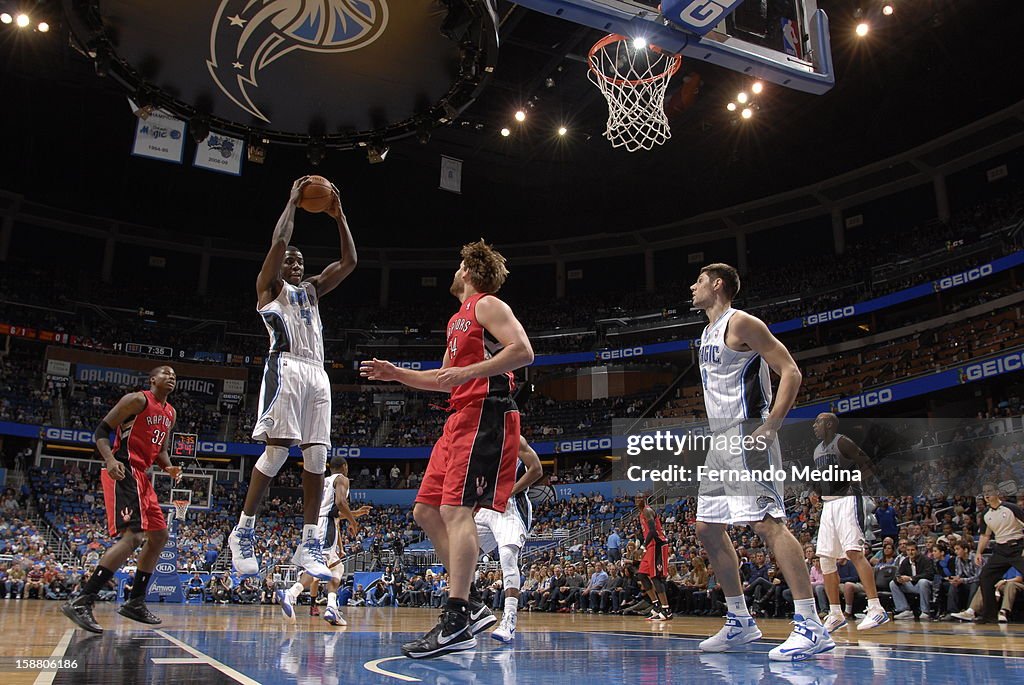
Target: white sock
x,y
511,605
875,605
246,521
806,608
332,600
737,606
295,590
309,532
835,609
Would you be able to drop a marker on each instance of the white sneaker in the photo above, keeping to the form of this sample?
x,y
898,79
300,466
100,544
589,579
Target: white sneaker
x,y
506,630
807,639
287,607
965,615
833,622
873,619
1003,618
242,543
333,616
310,558
904,615
736,633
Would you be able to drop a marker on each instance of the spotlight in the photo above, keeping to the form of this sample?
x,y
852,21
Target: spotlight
x,y
6,18
505,132
520,116
639,43
377,152
747,113
742,98
887,10
43,27
22,20
200,127
731,107
757,87
316,151
562,130
862,29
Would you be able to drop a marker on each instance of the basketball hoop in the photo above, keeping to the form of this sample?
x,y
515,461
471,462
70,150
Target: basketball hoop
x,y
180,509
633,80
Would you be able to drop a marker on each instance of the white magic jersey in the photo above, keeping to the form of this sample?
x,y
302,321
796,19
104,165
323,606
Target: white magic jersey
x,y
327,500
737,385
293,322
827,454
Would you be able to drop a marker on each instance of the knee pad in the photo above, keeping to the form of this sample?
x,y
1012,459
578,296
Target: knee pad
x,y
273,458
510,567
314,459
829,565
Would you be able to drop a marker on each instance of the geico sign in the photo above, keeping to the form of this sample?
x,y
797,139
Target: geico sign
x,y
621,354
698,13
345,452
415,366
584,445
215,447
994,367
868,399
67,435
830,316
965,277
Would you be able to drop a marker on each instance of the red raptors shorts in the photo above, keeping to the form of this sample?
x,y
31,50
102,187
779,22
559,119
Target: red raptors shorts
x,y
131,503
655,561
473,464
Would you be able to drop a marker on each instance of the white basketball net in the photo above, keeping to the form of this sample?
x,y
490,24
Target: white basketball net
x,y
180,509
633,81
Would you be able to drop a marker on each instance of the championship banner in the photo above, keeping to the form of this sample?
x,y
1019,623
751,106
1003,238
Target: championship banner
x,y
160,136
220,153
451,174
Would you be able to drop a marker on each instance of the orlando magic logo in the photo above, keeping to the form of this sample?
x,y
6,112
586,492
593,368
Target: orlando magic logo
x,y
249,35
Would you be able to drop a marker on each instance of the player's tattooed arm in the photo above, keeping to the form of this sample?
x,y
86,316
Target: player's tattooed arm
x,y
126,407
268,282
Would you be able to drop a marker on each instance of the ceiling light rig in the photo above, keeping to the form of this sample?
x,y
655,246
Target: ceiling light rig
x,y
745,105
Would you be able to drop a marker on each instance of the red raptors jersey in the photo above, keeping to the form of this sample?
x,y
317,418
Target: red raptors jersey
x,y
469,343
659,533
140,438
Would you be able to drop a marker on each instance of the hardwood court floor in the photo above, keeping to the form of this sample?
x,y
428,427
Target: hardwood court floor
x,y
233,644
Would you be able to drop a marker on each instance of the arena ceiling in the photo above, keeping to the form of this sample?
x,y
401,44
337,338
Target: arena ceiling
x,y
933,66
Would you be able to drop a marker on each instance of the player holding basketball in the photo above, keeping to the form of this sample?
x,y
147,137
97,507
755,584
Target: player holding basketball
x,y
295,398
507,532
843,513
473,464
736,352
654,565
333,508
141,422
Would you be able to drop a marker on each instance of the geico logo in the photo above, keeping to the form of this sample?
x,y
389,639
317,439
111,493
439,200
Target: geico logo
x,y
167,555
831,316
701,13
67,435
345,452
994,367
868,399
621,354
215,447
165,568
584,445
695,344
965,277
415,366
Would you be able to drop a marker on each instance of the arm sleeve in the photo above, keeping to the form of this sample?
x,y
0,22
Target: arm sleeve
x,y
1017,511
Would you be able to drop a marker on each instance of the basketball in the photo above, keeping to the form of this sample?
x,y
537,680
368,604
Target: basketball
x,y
316,195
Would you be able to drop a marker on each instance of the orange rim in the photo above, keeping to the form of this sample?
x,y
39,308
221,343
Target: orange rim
x,y
675,61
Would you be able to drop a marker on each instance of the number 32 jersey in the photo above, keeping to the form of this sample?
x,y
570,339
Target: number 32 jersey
x,y
140,438
293,322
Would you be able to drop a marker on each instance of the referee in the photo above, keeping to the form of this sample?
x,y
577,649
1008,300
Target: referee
x,y
1006,522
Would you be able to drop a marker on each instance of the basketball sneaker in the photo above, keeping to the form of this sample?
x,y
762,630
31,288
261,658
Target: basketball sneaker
x,y
310,557
834,622
242,543
480,617
965,615
735,633
873,619
136,610
807,639
333,616
506,632
79,610
284,598
451,634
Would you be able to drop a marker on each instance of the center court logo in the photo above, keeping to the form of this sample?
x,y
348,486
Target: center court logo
x,y
247,36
